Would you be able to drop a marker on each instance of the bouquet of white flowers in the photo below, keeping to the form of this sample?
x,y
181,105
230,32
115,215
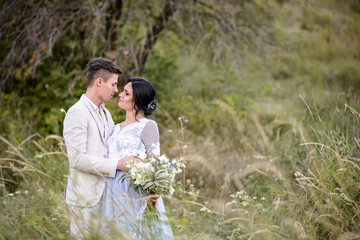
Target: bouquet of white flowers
x,y
155,175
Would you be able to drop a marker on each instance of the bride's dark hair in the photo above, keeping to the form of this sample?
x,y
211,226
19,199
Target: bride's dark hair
x,y
143,95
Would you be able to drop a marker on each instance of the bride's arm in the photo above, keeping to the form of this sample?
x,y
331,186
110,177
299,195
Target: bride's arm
x,y
150,137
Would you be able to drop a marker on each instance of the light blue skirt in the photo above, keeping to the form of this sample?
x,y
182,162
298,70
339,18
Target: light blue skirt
x,y
125,208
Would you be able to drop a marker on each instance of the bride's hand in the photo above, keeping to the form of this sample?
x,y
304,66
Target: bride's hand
x,y
153,199
122,162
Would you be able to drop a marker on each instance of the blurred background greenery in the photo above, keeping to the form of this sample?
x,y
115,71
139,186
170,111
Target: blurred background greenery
x,y
269,92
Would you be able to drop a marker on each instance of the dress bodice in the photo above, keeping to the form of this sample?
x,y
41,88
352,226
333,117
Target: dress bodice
x,y
139,137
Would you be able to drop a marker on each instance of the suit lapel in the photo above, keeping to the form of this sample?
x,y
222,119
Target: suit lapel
x,y
95,116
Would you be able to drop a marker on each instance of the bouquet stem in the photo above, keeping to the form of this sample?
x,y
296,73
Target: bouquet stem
x,y
151,212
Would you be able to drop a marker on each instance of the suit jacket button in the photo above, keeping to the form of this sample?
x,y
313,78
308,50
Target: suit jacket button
x,y
105,156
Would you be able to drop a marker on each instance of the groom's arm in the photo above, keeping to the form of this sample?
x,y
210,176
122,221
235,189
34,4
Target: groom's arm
x,y
76,140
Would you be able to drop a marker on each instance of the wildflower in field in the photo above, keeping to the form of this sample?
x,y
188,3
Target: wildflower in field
x,y
241,199
204,209
245,204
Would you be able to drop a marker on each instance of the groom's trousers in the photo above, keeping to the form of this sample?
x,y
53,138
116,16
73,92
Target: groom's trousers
x,y
85,220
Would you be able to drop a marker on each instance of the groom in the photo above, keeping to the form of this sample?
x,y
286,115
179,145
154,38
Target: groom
x,y
87,125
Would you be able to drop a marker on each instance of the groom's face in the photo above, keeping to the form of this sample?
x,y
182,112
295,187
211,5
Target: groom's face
x,y
109,88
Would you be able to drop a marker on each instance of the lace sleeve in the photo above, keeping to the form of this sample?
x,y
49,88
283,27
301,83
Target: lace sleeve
x,y
150,137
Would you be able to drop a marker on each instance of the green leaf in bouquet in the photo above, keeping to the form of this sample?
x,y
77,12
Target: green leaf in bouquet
x,y
161,175
159,172
149,172
148,184
160,184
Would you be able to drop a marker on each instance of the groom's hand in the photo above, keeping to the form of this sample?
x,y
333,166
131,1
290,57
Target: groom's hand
x,y
122,162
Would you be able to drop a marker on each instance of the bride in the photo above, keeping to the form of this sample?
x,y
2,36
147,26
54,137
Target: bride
x,y
135,136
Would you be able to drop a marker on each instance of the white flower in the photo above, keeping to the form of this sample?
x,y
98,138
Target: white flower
x,y
203,209
142,155
172,190
164,158
245,204
26,192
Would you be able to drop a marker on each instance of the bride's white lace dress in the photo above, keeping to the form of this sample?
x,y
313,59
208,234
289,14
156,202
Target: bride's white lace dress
x,y
121,203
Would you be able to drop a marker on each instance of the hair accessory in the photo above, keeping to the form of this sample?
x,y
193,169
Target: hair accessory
x,y
152,105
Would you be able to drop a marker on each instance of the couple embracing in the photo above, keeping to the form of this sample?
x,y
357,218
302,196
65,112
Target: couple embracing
x,y
98,151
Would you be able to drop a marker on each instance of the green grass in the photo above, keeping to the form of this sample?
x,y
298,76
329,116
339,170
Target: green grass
x,y
310,192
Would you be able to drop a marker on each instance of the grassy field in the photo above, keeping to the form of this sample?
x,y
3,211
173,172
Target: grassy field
x,y
272,146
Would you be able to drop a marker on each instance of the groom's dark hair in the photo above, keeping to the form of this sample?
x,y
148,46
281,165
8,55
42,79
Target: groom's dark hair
x,y
100,67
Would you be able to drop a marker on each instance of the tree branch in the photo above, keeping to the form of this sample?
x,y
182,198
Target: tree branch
x,y
153,35
112,23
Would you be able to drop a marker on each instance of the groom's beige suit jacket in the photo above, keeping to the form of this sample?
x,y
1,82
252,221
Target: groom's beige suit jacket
x,y
87,153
